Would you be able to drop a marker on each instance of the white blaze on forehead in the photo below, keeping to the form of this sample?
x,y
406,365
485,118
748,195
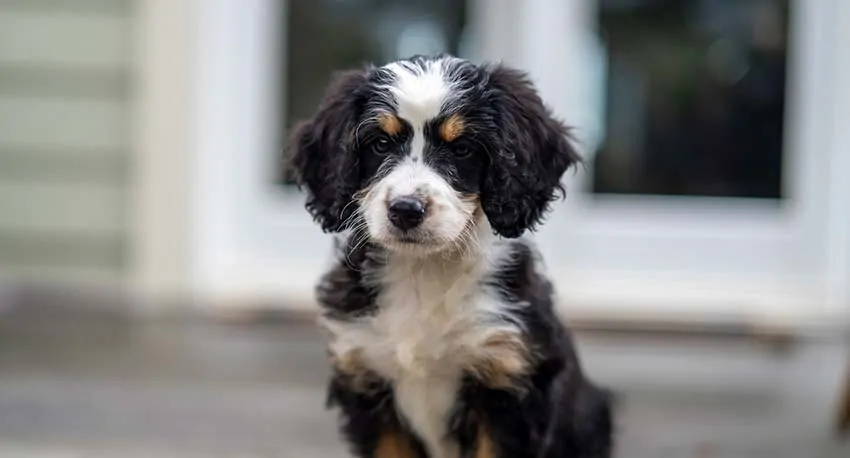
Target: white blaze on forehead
x,y
419,94
413,177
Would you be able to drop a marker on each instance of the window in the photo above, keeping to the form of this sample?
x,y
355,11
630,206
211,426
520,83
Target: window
x,y
695,98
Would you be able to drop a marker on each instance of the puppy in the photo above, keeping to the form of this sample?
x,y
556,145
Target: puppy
x,y
443,338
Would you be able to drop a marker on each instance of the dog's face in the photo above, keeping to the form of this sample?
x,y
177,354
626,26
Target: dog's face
x,y
420,152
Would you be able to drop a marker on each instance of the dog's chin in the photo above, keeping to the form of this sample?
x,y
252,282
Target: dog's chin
x,y
418,244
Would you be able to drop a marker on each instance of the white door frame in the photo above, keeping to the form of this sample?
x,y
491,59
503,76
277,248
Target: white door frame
x,y
241,239
164,156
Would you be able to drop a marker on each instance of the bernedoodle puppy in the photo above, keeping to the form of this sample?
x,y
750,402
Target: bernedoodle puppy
x,y
443,338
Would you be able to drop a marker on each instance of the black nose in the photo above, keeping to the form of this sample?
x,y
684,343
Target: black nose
x,y
406,212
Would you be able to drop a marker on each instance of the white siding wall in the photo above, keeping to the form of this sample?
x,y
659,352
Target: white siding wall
x,y
64,143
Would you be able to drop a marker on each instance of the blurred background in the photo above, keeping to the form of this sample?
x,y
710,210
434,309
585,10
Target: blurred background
x,y
157,265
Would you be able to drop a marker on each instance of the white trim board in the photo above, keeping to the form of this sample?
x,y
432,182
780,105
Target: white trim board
x,y
160,205
798,307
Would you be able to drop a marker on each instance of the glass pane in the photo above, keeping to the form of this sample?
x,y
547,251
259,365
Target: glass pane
x,y
328,35
695,97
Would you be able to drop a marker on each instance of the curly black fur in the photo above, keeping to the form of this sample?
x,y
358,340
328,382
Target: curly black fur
x,y
524,177
323,158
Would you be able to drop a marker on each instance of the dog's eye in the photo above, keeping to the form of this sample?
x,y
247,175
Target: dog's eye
x,y
462,152
382,145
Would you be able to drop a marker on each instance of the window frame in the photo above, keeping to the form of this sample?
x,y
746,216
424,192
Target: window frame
x,y
635,256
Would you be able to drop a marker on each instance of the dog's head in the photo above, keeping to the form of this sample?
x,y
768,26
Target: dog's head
x,y
421,152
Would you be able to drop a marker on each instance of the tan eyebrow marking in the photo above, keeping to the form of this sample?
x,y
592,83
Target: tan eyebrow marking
x,y
452,128
389,124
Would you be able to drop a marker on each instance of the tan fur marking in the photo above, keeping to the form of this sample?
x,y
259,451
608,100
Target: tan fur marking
x,y
393,445
472,198
389,124
350,363
501,360
484,444
356,374
452,128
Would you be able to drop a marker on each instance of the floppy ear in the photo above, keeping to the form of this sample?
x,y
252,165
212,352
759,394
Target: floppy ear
x,y
322,155
534,151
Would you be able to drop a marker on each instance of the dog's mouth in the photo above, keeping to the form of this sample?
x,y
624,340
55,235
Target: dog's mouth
x,y
413,243
410,241
424,243
409,237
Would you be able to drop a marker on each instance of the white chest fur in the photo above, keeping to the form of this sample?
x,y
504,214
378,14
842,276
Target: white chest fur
x,y
432,322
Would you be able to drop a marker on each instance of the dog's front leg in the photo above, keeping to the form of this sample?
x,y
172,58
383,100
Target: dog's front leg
x,y
497,399
506,426
369,420
553,420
